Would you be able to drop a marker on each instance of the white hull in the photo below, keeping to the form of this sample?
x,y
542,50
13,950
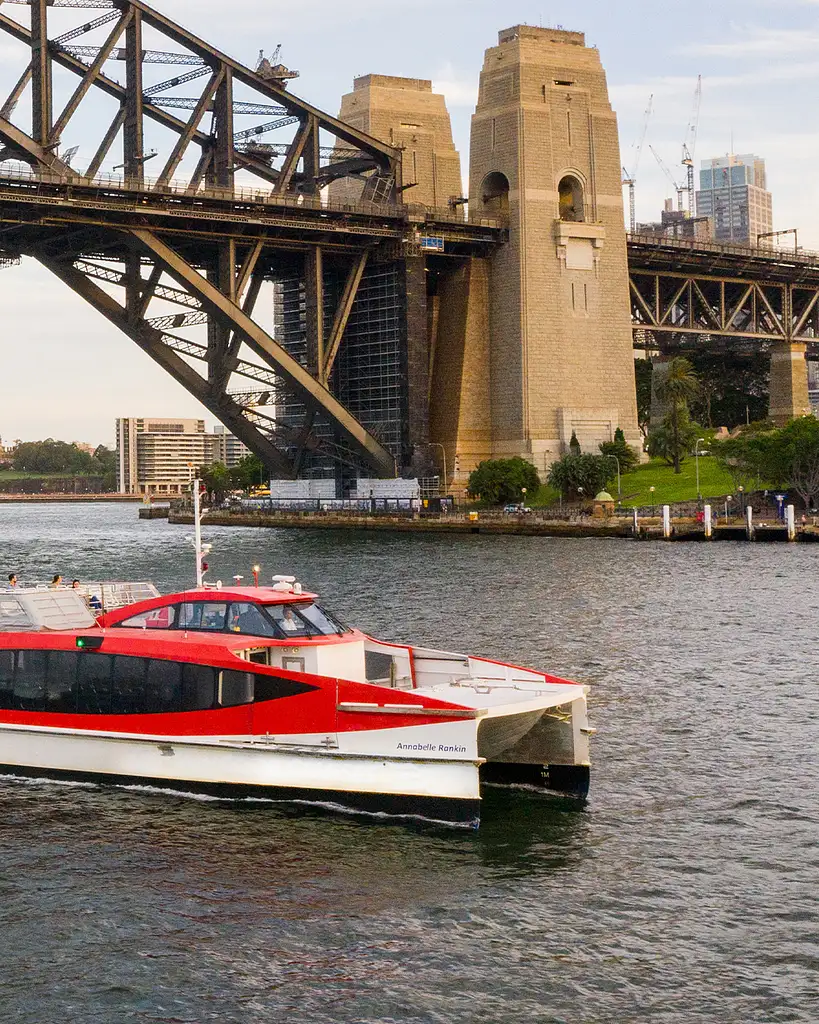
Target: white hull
x,y
220,765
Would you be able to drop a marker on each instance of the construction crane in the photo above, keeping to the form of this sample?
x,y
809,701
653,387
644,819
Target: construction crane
x,y
631,179
690,145
677,186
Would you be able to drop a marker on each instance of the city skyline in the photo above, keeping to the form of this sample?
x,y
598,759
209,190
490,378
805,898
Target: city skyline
x,y
83,372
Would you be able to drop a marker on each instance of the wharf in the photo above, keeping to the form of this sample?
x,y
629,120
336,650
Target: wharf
x,y
522,526
68,498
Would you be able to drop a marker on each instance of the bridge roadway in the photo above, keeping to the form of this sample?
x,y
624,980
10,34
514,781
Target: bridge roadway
x,y
35,206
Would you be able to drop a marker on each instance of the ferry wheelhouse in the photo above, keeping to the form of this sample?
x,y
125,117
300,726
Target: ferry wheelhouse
x,y
261,692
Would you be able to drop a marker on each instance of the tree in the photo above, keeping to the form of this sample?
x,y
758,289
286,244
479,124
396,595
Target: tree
x,y
497,481
784,457
52,456
621,450
248,472
643,372
664,443
677,389
216,480
735,387
576,475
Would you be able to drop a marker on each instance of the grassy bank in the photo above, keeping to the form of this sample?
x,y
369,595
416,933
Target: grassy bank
x,y
670,487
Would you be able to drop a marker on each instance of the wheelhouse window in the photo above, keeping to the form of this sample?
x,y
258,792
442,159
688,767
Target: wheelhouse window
x,y
156,618
245,617
320,621
287,621
203,615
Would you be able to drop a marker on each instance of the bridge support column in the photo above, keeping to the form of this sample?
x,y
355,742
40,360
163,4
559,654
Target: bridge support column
x,y
419,459
789,382
460,394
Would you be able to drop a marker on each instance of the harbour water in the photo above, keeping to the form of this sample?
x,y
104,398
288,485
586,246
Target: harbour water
x,y
685,892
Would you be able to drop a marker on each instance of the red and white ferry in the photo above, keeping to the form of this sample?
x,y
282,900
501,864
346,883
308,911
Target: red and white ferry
x,y
258,691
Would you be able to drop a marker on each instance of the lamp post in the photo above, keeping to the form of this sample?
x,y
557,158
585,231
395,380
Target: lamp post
x,y
728,498
523,496
741,490
697,463
651,492
619,489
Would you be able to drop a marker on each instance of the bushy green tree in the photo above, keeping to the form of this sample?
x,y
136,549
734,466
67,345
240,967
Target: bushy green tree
x,y
497,481
787,457
573,472
621,450
674,444
51,456
248,472
216,480
677,389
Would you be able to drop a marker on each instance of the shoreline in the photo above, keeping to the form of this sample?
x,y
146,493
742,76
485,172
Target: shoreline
x,y
68,499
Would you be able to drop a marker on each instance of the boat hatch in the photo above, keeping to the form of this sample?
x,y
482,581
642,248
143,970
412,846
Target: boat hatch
x,y
44,609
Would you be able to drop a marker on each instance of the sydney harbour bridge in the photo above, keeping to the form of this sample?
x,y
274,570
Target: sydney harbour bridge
x,y
224,203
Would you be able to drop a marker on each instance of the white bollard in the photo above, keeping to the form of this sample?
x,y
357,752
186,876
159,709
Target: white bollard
x,y
636,525
749,522
790,519
707,522
666,521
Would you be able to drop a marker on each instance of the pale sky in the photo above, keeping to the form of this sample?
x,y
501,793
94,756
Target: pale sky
x,y
64,372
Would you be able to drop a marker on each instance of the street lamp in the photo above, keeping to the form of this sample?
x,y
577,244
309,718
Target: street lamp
x,y
619,489
523,496
728,497
697,463
741,490
651,492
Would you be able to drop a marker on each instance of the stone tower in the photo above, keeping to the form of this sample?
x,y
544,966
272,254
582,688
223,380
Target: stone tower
x,y
545,156
406,113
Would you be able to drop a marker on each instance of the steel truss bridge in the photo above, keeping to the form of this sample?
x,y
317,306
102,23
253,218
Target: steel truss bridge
x,y
193,246
686,293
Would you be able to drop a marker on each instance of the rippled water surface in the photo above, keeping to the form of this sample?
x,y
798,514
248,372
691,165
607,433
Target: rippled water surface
x,y
686,891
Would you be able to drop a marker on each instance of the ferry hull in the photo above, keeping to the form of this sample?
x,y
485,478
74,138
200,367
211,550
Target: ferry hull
x,y
444,791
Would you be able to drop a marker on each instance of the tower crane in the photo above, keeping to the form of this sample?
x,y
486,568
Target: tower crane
x,y
631,179
690,145
677,186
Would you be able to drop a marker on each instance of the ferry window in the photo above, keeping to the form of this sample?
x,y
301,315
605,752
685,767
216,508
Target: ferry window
x,y
128,685
245,617
61,694
273,688
156,618
286,619
320,620
235,688
29,681
163,689
200,615
6,678
94,684
198,687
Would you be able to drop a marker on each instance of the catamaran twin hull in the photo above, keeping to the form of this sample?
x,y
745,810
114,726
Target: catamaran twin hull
x,y
149,701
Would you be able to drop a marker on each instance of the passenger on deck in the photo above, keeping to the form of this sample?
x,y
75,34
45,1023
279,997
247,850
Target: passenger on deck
x,y
12,579
75,584
56,581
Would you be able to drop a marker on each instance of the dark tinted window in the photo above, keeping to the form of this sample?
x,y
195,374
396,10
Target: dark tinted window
x,y
198,687
163,690
61,681
273,688
6,678
244,617
202,615
128,685
29,681
235,688
94,684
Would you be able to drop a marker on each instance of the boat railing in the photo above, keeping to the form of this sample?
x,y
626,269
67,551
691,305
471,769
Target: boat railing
x,y
100,596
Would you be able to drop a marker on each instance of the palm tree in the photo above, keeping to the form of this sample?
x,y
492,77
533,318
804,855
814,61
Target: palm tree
x,y
680,386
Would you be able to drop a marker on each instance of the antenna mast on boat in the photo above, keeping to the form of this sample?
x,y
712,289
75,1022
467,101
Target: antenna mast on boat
x,y
197,533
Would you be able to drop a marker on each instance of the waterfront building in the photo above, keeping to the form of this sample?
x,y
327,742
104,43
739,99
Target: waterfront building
x,y
227,448
160,455
733,194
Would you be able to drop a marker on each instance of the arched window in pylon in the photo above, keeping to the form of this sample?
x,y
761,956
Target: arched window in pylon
x,y
570,193
495,194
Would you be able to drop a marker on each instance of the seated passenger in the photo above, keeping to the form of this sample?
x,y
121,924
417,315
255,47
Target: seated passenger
x,y
289,621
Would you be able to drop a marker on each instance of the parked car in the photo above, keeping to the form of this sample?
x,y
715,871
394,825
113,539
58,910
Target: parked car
x,y
516,510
